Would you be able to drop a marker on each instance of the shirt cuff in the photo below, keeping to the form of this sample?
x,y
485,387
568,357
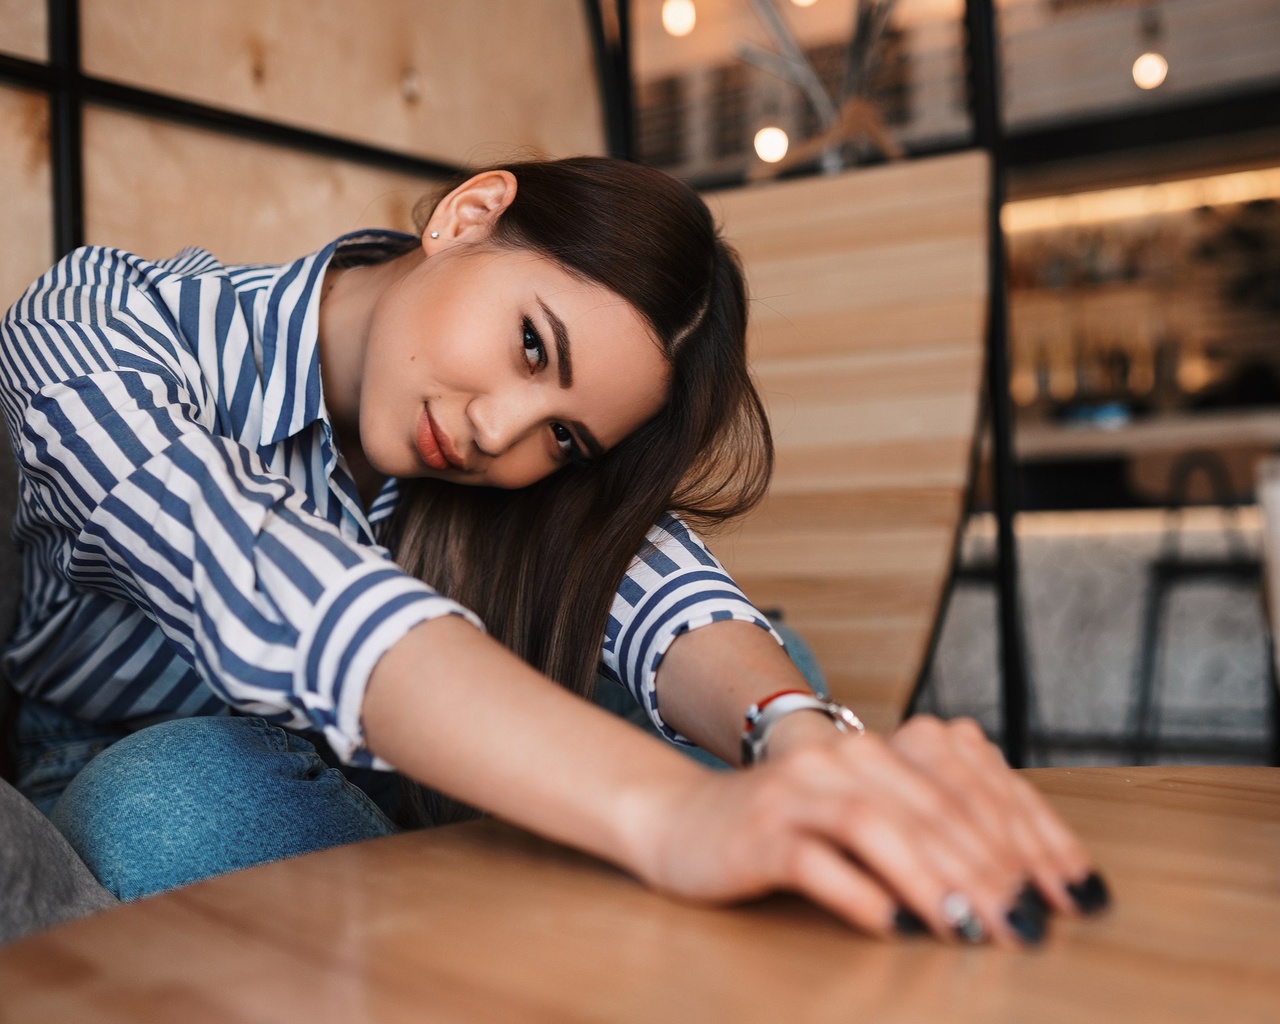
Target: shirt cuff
x,y
362,615
743,612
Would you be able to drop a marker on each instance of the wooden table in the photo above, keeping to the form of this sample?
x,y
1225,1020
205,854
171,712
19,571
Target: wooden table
x,y
484,923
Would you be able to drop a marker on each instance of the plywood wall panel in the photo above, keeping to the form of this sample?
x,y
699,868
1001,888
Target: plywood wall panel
x,y
23,29
867,322
26,228
462,82
153,188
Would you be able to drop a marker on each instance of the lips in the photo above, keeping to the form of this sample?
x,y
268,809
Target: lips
x,y
434,446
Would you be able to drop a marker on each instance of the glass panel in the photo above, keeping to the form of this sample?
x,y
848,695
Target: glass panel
x,y
1065,59
153,188
894,82
458,82
24,192
23,31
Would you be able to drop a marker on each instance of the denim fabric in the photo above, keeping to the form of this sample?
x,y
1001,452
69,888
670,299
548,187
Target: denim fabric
x,y
195,797
51,749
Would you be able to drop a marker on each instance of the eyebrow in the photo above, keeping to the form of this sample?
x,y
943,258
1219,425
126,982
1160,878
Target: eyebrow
x,y
594,448
563,359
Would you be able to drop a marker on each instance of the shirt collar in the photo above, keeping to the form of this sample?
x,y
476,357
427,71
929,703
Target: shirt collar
x,y
287,323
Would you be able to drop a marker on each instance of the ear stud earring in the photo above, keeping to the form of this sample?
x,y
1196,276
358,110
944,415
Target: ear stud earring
x,y
435,234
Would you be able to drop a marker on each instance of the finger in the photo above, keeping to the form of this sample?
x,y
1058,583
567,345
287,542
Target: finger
x,y
980,788
820,873
868,764
906,855
970,845
1057,857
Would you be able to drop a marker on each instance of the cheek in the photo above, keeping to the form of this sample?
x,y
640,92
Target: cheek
x,y
524,465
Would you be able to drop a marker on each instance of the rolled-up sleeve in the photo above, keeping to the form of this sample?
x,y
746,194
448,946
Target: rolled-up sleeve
x,y
674,585
276,611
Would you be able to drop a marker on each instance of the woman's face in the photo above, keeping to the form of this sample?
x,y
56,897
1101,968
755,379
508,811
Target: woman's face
x,y
494,366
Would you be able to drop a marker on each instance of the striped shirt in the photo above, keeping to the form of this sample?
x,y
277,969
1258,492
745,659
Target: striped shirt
x,y
191,538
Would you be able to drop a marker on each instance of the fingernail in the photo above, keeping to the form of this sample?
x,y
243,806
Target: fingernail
x,y
1032,897
1027,923
907,923
1090,894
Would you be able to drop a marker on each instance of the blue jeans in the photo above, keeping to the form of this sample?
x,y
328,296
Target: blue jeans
x,y
183,800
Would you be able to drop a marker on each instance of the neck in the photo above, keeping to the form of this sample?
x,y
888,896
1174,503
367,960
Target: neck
x,y
348,299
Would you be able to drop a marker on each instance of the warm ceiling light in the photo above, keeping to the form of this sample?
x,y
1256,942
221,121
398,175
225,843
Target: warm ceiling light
x,y
679,17
771,144
804,3
1149,70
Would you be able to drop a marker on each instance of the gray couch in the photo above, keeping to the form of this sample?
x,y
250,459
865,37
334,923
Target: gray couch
x,y
42,880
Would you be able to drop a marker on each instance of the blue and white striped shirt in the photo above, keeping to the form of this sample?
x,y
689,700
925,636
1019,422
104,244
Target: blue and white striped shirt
x,y
191,537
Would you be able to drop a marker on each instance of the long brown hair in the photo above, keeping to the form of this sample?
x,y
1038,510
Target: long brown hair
x,y
540,565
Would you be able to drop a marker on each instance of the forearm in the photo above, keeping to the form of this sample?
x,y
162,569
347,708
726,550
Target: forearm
x,y
710,676
455,710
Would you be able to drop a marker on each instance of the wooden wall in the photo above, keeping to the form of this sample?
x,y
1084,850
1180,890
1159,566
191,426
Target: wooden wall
x,y
460,83
22,28
26,244
867,320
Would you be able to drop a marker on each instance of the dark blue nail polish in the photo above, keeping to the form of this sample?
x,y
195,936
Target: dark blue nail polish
x,y
1027,924
1090,894
1031,898
909,924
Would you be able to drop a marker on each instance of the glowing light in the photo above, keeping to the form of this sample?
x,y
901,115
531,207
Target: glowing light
x,y
679,17
804,3
1141,200
771,144
1149,70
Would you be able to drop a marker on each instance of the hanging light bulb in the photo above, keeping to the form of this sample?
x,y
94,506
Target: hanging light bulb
x,y
1149,70
771,144
678,17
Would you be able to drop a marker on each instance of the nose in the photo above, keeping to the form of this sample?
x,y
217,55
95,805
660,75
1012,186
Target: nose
x,y
501,419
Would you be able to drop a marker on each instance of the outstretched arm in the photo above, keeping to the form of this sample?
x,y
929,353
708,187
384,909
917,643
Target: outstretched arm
x,y
852,824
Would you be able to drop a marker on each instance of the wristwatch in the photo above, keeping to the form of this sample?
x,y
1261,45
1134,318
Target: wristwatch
x,y
764,715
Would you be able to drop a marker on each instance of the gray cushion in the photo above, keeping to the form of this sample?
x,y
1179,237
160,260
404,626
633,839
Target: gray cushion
x,y
42,880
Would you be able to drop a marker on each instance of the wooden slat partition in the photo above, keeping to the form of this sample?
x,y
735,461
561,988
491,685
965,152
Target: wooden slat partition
x,y
868,307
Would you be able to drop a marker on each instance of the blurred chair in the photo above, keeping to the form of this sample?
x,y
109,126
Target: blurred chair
x,y
1173,568
868,315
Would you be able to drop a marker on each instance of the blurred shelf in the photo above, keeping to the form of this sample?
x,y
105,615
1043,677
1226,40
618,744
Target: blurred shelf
x,y
1168,433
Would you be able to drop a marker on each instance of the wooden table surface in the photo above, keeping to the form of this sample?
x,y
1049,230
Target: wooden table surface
x,y
484,923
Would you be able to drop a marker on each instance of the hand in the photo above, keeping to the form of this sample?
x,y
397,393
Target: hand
x,y
865,826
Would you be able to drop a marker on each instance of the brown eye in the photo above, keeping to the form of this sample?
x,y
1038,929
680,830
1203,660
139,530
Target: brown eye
x,y
535,352
568,446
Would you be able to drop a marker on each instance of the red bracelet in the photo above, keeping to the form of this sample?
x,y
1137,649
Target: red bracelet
x,y
753,712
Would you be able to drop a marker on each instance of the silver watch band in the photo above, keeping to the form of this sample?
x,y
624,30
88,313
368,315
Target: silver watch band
x,y
761,720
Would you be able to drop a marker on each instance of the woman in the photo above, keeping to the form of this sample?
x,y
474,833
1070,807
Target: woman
x,y
209,461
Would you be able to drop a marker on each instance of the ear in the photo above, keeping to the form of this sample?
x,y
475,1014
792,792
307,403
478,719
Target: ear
x,y
469,212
